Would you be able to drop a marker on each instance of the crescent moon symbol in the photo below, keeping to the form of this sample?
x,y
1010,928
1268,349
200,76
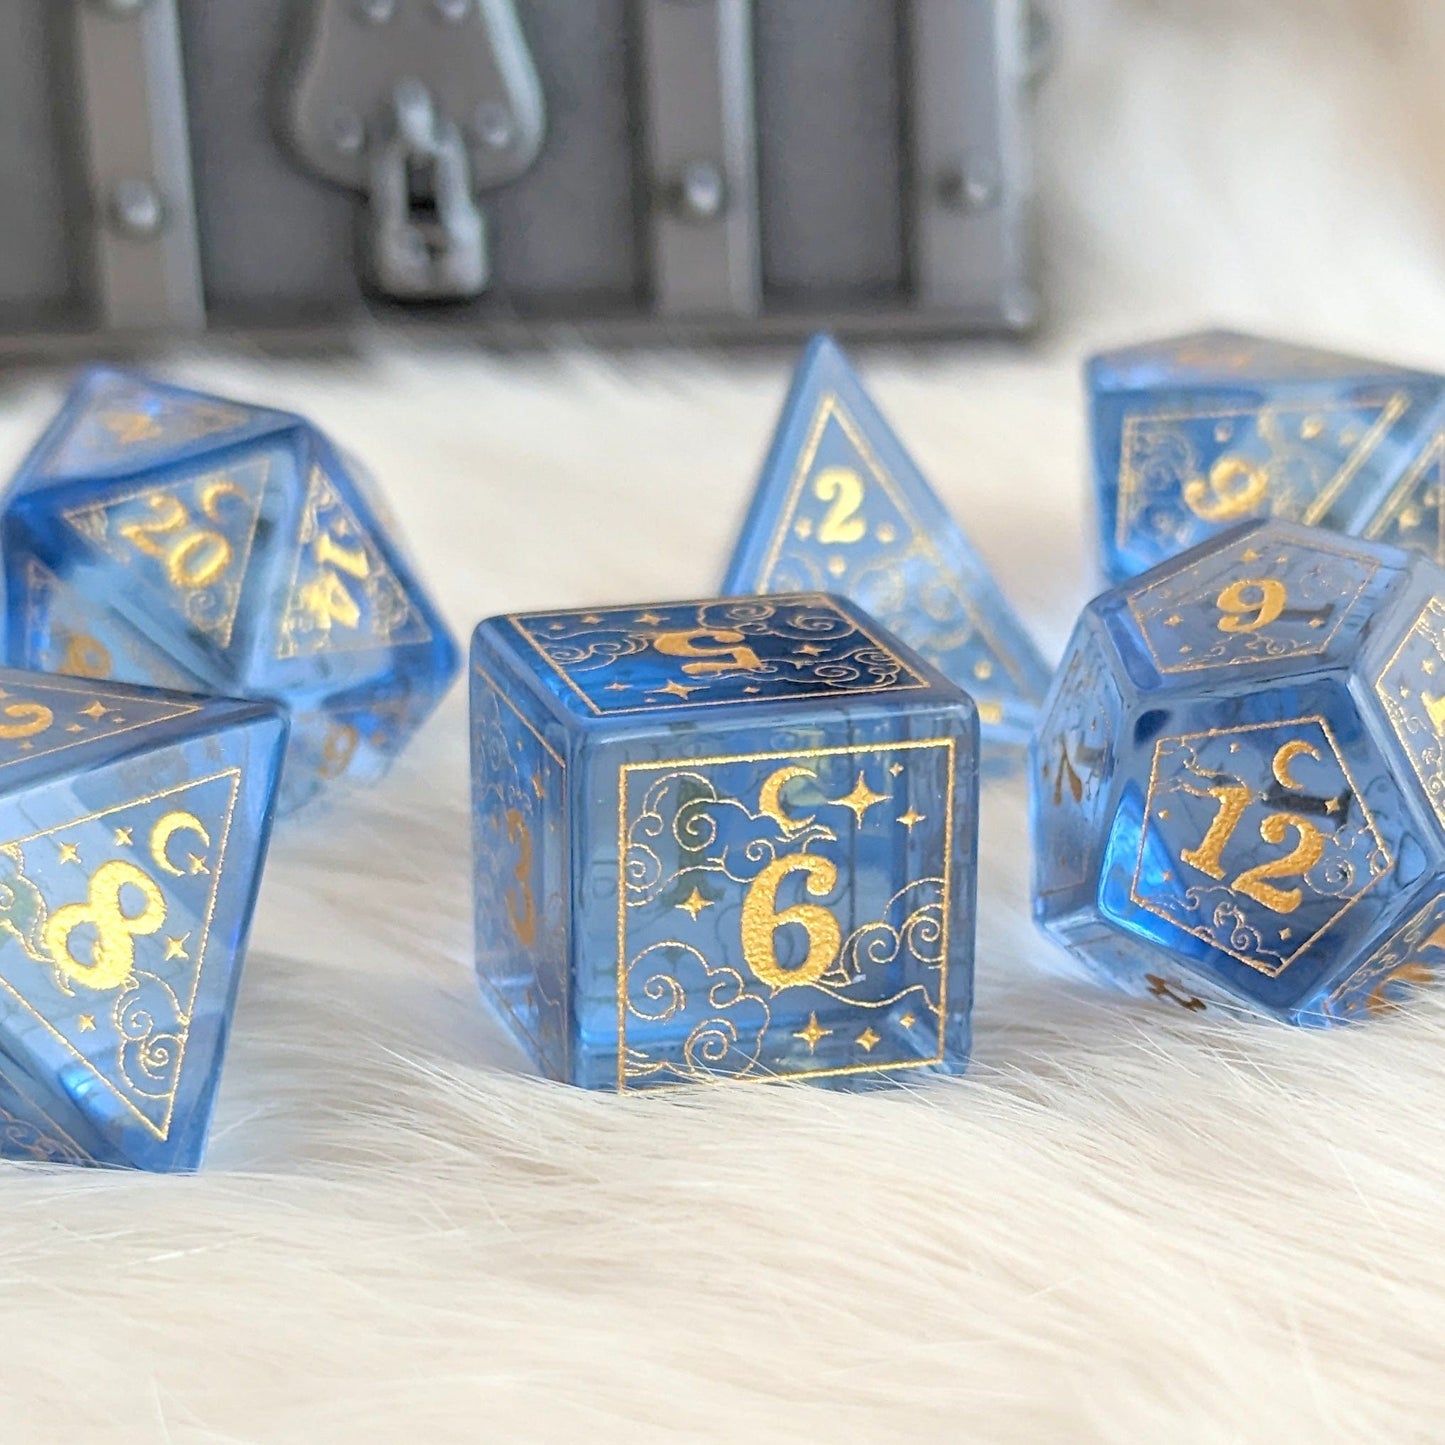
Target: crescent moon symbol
x,y
1285,756
161,834
770,805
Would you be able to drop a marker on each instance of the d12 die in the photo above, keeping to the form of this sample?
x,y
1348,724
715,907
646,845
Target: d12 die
x,y
729,839
1197,434
842,507
1238,785
133,826
159,536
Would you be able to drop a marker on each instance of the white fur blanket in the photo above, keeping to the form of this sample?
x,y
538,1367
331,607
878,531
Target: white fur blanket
x,y
1127,1223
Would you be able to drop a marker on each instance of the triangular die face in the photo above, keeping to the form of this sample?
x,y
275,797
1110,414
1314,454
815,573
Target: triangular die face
x,y
841,507
61,632
187,542
43,716
1187,471
343,595
104,932
1413,515
126,423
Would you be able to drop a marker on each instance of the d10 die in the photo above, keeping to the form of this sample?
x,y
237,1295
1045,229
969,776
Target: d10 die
x,y
842,507
133,826
158,536
1238,786
728,839
1197,434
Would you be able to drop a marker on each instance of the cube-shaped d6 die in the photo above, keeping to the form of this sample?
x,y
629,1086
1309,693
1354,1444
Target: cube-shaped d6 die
x,y
159,536
1238,786
726,839
1194,435
133,826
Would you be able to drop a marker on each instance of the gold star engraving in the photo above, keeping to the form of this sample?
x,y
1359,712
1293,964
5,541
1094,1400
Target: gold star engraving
x,y
983,669
86,1023
69,853
676,689
1163,812
537,784
591,619
648,619
804,529
75,728
123,838
27,746
811,649
908,1021
894,769
1173,621
860,799
813,1033
868,1041
752,689
911,817
886,534
694,904
1332,805
616,687
198,865
1250,556
97,710
176,948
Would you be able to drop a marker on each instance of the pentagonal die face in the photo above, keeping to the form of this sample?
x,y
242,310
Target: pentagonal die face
x,y
1224,810
159,536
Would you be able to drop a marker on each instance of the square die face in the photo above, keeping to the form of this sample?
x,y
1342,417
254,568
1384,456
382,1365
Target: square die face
x,y
802,912
630,661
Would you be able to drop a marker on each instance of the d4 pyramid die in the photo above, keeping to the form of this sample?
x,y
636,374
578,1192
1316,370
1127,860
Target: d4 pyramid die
x,y
1196,434
133,828
159,536
841,507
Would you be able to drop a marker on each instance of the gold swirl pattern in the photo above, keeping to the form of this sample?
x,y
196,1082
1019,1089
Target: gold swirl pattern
x,y
704,654
1256,839
1411,688
1411,959
733,875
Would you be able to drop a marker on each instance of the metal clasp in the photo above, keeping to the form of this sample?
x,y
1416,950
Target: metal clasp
x,y
425,235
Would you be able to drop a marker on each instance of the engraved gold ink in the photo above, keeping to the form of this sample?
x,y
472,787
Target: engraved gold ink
x,y
843,487
113,954
1263,596
761,919
521,906
731,654
166,828
1235,489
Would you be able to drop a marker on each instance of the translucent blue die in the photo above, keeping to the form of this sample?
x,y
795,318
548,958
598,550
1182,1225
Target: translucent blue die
x,y
842,507
1238,785
1196,434
133,827
728,839
155,535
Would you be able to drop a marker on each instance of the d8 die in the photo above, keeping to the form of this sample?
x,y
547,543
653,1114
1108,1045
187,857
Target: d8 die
x,y
1238,786
133,825
1197,434
722,839
159,536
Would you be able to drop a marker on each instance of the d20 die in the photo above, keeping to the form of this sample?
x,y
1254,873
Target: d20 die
x,y
1238,785
1194,435
727,839
159,536
133,827
842,507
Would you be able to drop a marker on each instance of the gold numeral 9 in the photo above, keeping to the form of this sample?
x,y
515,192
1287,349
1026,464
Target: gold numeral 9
x,y
761,920
1263,596
1235,489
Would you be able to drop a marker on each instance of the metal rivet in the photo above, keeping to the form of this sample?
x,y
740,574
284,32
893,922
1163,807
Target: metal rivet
x,y
122,8
452,11
701,191
376,12
348,134
136,209
493,125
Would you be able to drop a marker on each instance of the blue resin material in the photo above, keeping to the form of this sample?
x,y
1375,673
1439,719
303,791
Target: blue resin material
x,y
1196,434
133,828
1238,785
159,536
841,507
725,839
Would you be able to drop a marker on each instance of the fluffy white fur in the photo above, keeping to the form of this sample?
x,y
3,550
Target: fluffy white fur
x,y
1128,1223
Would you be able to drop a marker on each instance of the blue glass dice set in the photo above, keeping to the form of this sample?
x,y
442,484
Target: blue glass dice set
x,y
732,838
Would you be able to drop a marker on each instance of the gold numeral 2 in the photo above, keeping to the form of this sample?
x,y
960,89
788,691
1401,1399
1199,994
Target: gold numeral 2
x,y
842,487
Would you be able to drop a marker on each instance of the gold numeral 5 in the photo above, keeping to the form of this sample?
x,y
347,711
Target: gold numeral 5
x,y
735,655
844,488
761,920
